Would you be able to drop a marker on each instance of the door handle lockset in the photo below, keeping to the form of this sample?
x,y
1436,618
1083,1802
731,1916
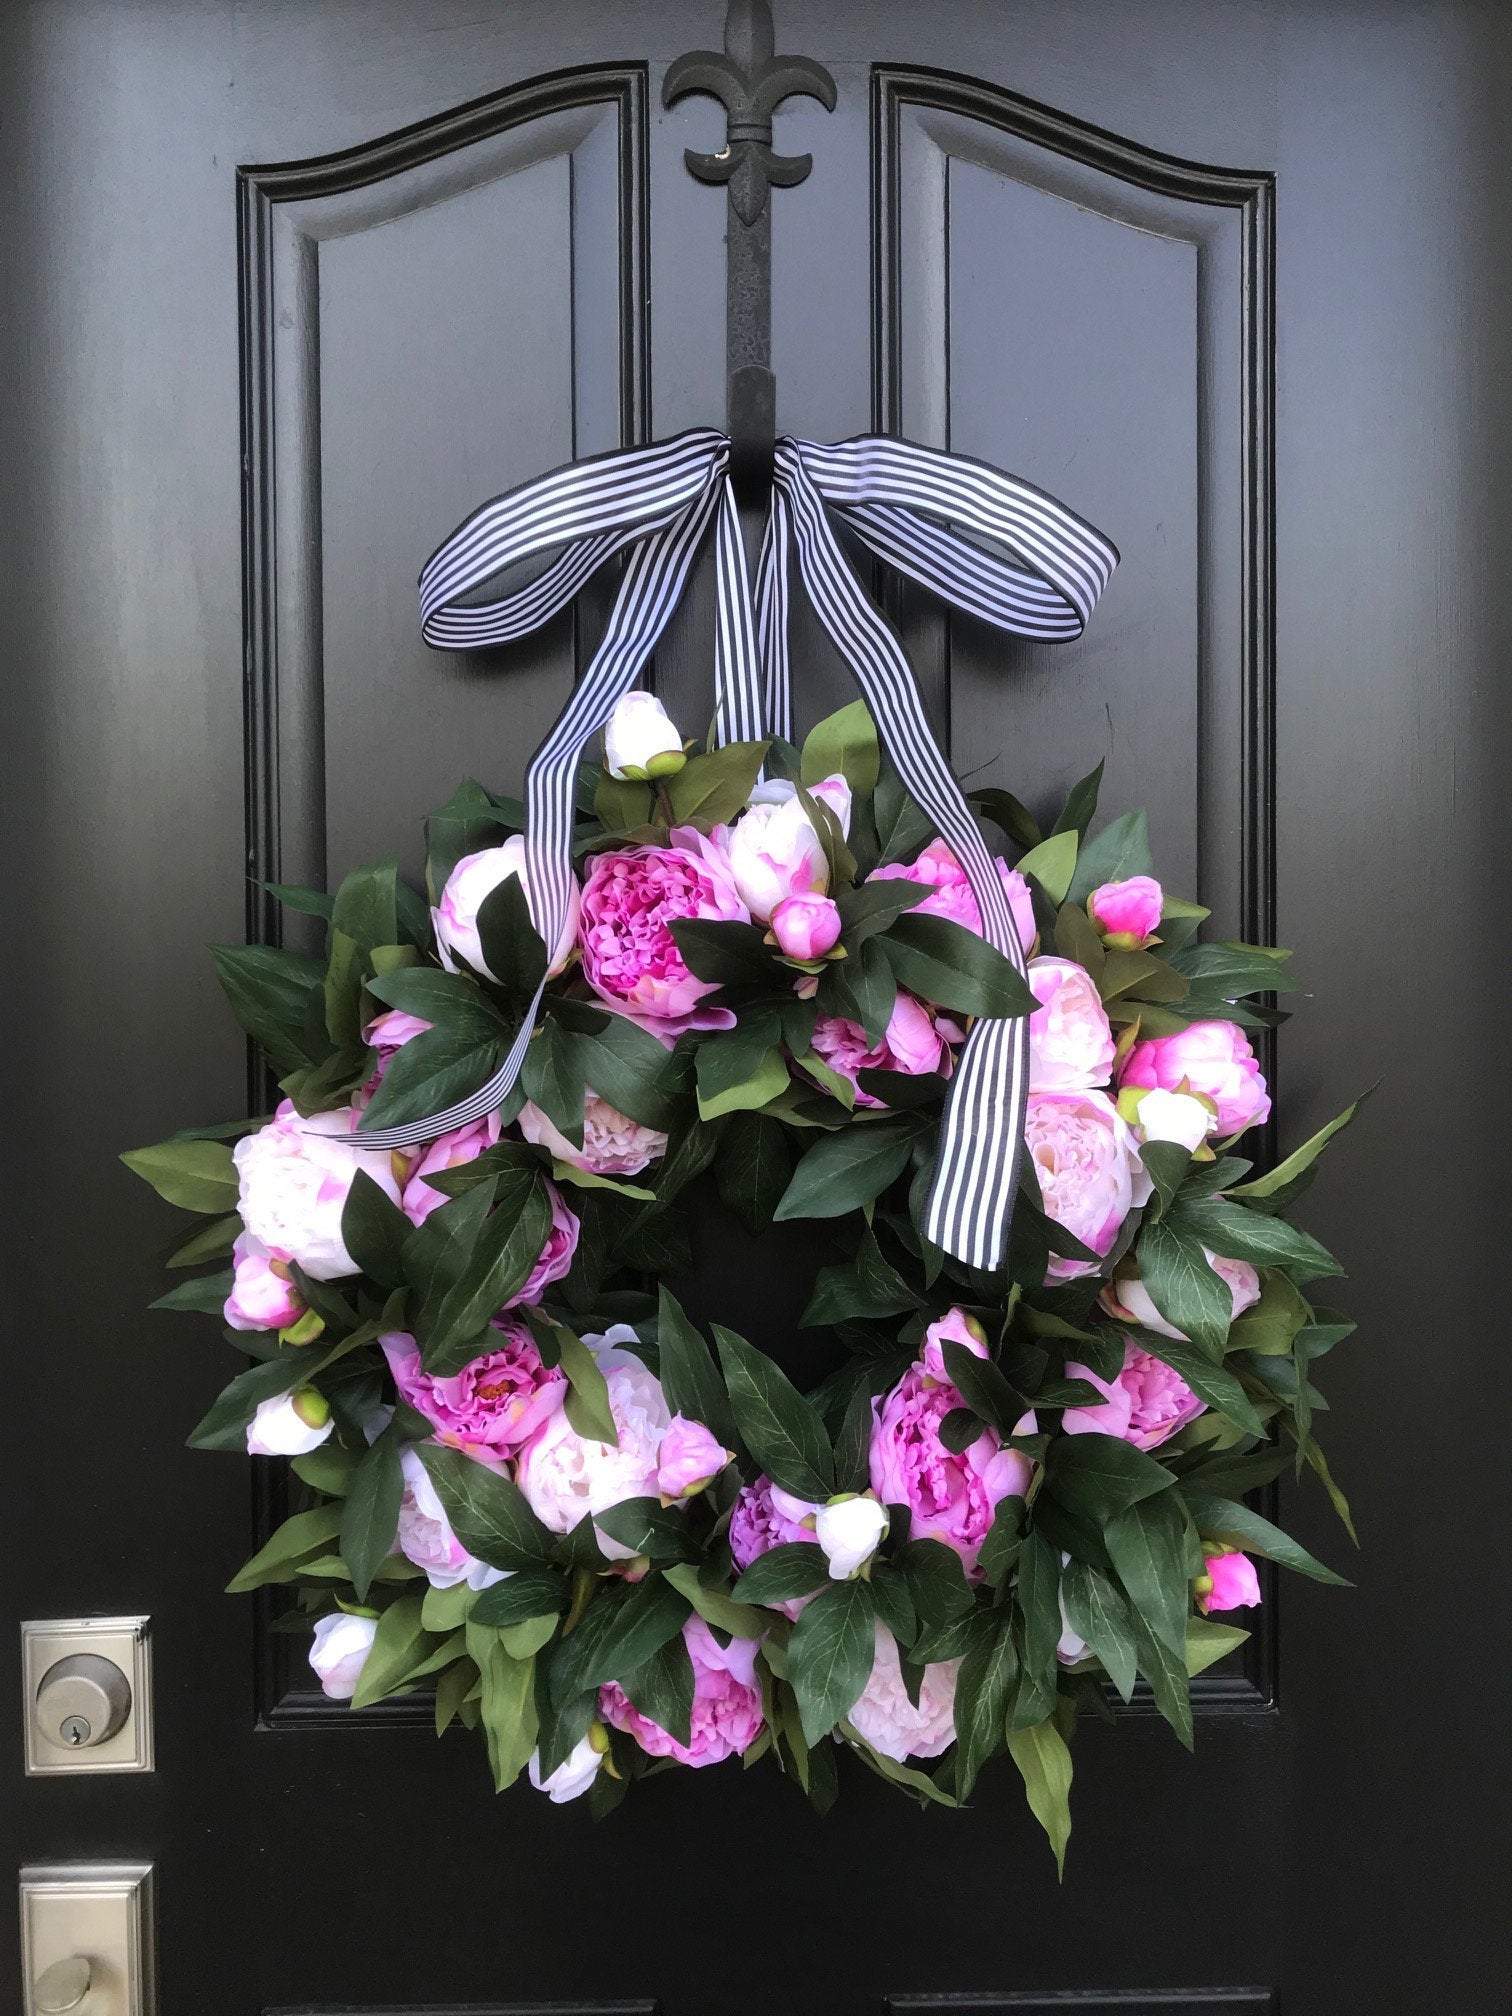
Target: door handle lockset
x,y
87,1939
64,1987
83,1700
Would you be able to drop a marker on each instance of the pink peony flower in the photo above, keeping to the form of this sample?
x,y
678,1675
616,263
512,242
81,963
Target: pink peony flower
x,y
915,1041
1127,1300
727,1716
1233,1583
425,1535
493,1405
342,1644
1070,1040
1127,913
470,884
630,901
295,1174
950,893
612,1145
391,1031
955,1327
1213,1058
554,1262
884,1716
951,1496
447,1151
759,1523
1089,1170
1146,1404
262,1295
806,927
565,1475
688,1459
773,850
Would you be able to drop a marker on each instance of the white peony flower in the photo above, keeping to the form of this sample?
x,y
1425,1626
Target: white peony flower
x,y
886,1718
772,848
291,1425
575,1774
640,740
425,1534
340,1651
295,1175
849,1532
1171,1116
564,1474
471,882
1129,1300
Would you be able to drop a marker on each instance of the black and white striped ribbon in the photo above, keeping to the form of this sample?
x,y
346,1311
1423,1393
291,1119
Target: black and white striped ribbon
x,y
914,507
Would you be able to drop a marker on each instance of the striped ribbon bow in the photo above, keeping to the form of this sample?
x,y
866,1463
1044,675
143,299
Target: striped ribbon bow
x,y
913,506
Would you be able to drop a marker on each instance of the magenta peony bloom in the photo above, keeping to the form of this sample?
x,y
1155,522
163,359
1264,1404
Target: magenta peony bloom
x,y
630,901
612,1145
1090,1174
914,1041
806,927
389,1032
954,1327
951,1497
689,1458
1213,1058
1234,1585
1070,1039
884,1716
1146,1404
494,1404
758,1524
950,893
1127,913
447,1151
727,1716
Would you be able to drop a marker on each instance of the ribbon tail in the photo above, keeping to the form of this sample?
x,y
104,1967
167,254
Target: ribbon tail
x,y
772,618
737,665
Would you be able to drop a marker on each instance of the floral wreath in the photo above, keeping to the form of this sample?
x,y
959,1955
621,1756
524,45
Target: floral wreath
x,y
530,1485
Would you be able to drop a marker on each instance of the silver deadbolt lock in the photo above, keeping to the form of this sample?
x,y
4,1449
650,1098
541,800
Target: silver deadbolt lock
x,y
82,1700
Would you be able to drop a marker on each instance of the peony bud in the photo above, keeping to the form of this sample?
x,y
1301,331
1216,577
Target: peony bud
x,y
575,1774
1156,1115
1127,913
849,1529
688,1460
640,741
340,1652
1232,1583
470,884
291,1425
806,927
955,1327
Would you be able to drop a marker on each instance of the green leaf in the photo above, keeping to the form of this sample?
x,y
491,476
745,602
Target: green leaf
x,y
1210,1382
294,896
195,1175
1004,810
273,992
846,1170
830,1656
796,1568
692,1385
1300,1159
511,946
661,1687
1038,1594
205,1295
739,1073
726,953
1240,1526
1167,1163
1044,1763
1052,863
370,1517
588,1409
207,1242
981,1384
1271,1327
1080,807
330,1468
1096,1611
1121,849
508,1713
1227,971
1208,1641
531,1592
433,1071
755,1166
712,789
1151,1551
936,1581
399,1646
454,1314
844,743
866,1286
951,966
298,1539
488,1513
623,1064
779,1426
737,1620
1183,1287
1098,1476
874,906
374,1231
552,1078
986,1679
614,1637
1240,1233
224,1426
1076,939
648,1527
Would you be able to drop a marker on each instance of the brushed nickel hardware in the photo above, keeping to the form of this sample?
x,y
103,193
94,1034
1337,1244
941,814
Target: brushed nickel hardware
x,y
63,1987
83,1700
87,1695
87,1939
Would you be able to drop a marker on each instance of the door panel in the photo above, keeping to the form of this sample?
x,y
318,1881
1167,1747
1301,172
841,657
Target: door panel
x,y
1086,241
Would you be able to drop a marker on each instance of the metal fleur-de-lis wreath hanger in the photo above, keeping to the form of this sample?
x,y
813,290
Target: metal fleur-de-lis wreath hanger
x,y
983,541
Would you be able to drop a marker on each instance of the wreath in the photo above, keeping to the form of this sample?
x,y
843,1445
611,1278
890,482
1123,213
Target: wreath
x,y
528,1483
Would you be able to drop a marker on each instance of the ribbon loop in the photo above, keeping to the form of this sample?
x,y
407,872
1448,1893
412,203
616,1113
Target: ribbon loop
x,y
1039,574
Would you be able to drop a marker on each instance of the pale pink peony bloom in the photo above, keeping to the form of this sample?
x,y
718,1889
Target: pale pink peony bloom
x,y
1127,1300
575,1774
340,1652
262,1295
1235,1585
1071,1042
630,901
1090,1174
447,1151
1213,1058
773,849
494,1404
1146,1404
565,1475
884,1716
915,1041
954,1327
727,1716
950,893
295,1175
952,1496
425,1535
390,1031
689,1458
806,927
612,1145
1127,913
471,882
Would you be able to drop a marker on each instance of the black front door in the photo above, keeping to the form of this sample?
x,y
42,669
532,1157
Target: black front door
x,y
292,287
